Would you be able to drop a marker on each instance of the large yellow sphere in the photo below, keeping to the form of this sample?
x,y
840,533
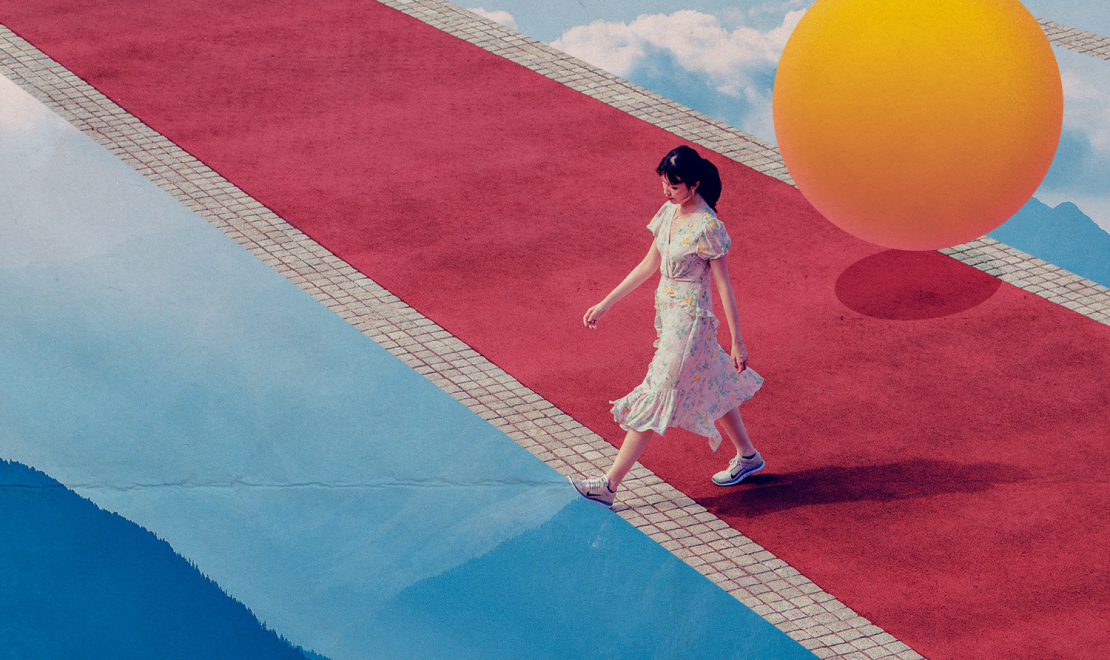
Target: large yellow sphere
x,y
918,124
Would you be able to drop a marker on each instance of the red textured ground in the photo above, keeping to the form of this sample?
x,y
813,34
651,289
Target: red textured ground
x,y
936,441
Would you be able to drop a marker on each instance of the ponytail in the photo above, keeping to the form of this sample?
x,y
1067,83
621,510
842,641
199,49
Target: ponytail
x,y
710,188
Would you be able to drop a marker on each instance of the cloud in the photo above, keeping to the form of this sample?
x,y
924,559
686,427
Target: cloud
x,y
698,41
497,16
717,66
1087,107
768,13
1080,172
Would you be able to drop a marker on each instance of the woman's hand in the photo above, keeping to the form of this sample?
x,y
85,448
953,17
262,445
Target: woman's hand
x,y
739,357
638,276
594,314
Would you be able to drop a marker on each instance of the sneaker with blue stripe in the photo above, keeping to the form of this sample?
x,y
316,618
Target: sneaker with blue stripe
x,y
739,468
594,488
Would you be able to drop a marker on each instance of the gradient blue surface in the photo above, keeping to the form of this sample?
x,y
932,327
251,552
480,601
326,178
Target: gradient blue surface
x,y
154,367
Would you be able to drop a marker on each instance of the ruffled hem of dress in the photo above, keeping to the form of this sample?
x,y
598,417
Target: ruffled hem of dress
x,y
645,410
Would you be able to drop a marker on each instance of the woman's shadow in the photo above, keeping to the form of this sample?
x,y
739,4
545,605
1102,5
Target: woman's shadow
x,y
771,493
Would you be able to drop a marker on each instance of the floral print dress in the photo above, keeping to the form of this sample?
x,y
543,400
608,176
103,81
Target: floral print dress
x,y
691,381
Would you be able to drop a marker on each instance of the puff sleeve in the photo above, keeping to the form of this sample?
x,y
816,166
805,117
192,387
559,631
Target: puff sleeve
x,y
713,241
656,224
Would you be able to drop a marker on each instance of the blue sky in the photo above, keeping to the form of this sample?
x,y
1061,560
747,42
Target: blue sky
x,y
720,57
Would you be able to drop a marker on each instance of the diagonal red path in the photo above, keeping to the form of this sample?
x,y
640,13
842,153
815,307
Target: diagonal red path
x,y
936,442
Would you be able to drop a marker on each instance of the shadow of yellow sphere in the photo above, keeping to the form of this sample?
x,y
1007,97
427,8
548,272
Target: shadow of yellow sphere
x,y
918,124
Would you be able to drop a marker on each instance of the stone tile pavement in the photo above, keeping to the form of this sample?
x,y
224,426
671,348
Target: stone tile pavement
x,y
752,574
1025,271
1075,39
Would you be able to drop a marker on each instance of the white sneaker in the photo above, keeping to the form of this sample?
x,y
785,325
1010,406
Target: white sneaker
x,y
594,488
738,469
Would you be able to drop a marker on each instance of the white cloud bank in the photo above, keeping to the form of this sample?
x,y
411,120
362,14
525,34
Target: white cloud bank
x,y
738,63
497,16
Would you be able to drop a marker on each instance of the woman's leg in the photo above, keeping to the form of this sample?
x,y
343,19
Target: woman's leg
x,y
635,442
739,468
734,429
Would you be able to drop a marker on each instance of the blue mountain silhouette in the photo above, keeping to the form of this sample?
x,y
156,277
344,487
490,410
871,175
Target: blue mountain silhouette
x,y
1063,236
80,582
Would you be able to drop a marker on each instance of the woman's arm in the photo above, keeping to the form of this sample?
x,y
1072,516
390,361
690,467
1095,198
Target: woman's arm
x,y
638,276
719,268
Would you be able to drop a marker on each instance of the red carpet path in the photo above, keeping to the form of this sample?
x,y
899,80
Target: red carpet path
x,y
939,464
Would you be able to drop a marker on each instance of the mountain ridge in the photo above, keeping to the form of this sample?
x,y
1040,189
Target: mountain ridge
x,y
1062,235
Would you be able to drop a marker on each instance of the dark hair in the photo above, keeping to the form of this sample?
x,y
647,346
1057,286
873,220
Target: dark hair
x,y
684,165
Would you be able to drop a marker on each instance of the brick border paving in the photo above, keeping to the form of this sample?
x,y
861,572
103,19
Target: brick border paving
x,y
747,571
1075,39
1034,275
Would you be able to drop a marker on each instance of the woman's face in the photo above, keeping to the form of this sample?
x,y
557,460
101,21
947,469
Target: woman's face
x,y
678,193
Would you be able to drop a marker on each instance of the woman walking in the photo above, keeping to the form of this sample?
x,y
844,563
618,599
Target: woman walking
x,y
691,382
